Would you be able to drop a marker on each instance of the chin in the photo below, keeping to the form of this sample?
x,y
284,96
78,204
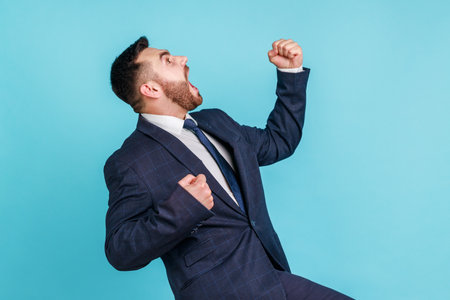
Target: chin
x,y
199,100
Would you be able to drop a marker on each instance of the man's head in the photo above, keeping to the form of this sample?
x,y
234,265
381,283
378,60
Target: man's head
x,y
153,81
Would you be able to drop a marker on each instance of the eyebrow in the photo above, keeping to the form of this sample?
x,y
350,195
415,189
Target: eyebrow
x,y
165,52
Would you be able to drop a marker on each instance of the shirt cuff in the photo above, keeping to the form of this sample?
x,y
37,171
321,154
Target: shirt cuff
x,y
292,70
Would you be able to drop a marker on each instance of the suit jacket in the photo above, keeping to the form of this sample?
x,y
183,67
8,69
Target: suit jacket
x,y
208,254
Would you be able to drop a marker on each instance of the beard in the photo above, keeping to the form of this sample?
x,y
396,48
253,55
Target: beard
x,y
180,94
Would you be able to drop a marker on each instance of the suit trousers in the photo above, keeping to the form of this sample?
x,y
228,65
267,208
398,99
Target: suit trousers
x,y
299,288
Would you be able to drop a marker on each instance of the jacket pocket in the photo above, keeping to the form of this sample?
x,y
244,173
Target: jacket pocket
x,y
199,252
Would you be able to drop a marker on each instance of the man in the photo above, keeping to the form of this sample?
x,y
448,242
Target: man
x,y
187,187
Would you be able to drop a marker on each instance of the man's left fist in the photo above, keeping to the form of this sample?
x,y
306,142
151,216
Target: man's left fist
x,y
286,54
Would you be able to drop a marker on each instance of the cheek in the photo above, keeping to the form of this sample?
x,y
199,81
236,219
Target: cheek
x,y
171,75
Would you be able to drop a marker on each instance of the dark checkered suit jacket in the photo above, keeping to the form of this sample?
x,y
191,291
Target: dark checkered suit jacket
x,y
208,254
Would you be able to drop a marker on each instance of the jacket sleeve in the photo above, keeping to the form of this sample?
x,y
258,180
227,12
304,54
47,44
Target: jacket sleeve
x,y
284,127
137,229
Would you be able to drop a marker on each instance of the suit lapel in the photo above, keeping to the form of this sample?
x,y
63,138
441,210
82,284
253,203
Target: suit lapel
x,y
227,136
186,157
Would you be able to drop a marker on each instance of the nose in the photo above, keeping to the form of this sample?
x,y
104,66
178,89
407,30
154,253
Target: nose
x,y
183,60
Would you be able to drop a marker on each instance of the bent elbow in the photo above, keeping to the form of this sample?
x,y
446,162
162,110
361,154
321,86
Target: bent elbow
x,y
295,141
288,144
122,259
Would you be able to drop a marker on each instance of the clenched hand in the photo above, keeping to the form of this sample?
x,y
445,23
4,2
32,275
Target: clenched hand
x,y
286,54
198,188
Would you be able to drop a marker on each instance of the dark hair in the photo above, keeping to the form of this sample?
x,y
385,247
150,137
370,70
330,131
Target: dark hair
x,y
124,74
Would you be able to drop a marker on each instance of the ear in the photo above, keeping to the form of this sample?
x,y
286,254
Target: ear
x,y
151,89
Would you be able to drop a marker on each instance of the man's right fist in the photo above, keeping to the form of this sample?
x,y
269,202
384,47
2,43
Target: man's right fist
x,y
198,188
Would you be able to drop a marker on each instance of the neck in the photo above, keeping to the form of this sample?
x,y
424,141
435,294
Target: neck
x,y
174,111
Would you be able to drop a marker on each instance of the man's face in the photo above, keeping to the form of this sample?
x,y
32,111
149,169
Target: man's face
x,y
172,74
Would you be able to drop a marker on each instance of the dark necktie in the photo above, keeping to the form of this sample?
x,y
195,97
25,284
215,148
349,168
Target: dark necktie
x,y
223,164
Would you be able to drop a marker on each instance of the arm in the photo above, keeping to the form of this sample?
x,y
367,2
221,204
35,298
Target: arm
x,y
284,127
283,131
138,230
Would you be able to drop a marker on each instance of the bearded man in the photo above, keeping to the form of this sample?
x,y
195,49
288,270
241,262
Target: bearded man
x,y
186,187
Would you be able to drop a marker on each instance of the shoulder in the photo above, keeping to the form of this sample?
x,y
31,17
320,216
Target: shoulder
x,y
213,115
132,150
207,113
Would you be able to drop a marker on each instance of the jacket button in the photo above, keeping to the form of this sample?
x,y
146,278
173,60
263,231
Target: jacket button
x,y
253,223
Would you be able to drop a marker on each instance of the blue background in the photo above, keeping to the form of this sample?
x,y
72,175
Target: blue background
x,y
363,204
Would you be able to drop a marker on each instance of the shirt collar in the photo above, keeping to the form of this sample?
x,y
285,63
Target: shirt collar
x,y
169,123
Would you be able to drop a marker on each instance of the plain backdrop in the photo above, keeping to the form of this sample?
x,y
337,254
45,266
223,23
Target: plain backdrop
x,y
363,204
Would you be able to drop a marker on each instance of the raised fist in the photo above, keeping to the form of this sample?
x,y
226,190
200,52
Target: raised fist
x,y
286,54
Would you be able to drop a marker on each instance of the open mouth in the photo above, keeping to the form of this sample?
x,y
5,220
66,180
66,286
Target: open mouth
x,y
193,86
187,75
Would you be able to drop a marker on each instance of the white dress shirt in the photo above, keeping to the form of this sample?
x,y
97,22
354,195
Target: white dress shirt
x,y
174,126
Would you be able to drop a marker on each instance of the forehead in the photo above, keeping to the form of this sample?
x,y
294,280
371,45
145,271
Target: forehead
x,y
151,54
